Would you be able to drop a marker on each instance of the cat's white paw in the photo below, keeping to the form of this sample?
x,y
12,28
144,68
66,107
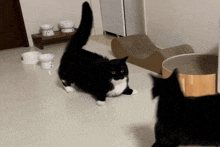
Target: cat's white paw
x,y
69,89
100,103
134,91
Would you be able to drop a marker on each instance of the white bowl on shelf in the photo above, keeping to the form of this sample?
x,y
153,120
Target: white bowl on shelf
x,y
66,26
47,30
46,27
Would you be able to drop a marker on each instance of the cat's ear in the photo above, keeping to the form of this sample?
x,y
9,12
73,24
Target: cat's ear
x,y
175,73
124,59
155,89
154,78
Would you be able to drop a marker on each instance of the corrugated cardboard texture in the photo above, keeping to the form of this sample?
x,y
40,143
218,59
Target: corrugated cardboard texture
x,y
142,52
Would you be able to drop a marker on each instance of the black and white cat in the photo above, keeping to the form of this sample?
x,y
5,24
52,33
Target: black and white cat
x,y
184,120
89,71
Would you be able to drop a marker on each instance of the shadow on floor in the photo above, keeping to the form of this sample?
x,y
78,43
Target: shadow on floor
x,y
144,135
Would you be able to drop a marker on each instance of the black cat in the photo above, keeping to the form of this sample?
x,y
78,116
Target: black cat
x,y
89,71
184,120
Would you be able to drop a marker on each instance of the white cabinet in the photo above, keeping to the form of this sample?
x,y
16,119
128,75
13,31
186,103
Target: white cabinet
x,y
122,17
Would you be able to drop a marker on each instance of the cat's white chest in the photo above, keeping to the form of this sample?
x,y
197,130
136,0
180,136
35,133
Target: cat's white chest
x,y
119,87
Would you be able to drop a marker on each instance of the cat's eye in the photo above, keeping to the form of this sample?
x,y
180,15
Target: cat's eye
x,y
122,71
113,72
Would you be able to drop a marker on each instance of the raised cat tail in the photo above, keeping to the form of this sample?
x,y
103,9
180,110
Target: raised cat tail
x,y
80,38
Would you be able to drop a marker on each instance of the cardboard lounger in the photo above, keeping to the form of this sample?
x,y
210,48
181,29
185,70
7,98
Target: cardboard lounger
x,y
197,73
142,52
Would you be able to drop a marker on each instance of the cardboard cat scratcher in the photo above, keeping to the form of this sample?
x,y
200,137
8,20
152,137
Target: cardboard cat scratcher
x,y
142,52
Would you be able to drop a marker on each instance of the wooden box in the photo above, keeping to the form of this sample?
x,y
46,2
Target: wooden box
x,y
40,41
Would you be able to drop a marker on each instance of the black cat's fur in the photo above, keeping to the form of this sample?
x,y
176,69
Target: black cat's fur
x,y
184,120
89,71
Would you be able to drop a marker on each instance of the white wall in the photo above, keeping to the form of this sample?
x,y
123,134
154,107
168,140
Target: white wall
x,y
98,29
195,22
168,23
40,12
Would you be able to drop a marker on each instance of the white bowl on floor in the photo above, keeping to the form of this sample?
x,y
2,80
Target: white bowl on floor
x,y
30,57
46,61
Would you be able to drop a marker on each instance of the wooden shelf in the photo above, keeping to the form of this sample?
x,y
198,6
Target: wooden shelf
x,y
40,41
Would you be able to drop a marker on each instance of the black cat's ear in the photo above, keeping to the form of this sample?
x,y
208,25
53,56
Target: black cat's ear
x,y
154,78
124,59
154,90
175,73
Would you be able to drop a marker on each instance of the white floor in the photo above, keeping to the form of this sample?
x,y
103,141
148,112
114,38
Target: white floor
x,y
35,111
